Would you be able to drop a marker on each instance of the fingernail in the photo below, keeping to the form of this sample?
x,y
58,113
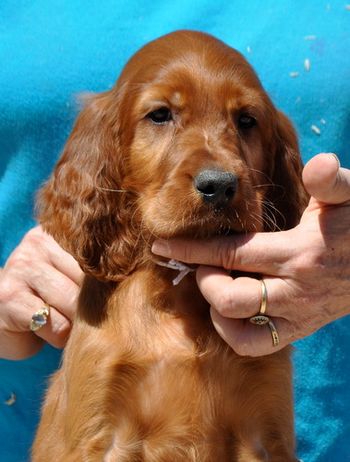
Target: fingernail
x,y
162,248
336,157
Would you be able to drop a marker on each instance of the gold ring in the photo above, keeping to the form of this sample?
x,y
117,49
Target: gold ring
x,y
39,318
263,297
274,334
261,319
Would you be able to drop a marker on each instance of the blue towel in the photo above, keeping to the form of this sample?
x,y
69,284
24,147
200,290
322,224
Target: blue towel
x,y
50,51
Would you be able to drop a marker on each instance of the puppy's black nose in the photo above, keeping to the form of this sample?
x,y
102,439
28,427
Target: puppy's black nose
x,y
215,186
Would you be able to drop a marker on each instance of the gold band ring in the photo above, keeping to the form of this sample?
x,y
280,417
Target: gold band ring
x,y
261,319
263,297
39,318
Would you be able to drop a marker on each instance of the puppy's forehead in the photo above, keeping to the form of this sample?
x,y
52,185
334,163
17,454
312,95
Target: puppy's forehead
x,y
192,81
189,55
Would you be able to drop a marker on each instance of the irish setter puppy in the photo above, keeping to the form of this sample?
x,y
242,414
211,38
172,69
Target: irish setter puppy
x,y
186,144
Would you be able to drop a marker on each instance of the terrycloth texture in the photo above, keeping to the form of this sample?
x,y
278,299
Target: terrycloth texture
x,y
50,51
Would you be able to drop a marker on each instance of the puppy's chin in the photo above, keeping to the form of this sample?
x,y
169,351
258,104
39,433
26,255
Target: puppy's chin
x,y
214,223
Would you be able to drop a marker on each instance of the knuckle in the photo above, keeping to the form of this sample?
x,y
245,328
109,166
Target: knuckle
x,y
311,260
33,238
318,257
19,260
227,253
32,233
7,291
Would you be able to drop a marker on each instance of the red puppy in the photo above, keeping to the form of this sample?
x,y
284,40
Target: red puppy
x,y
186,144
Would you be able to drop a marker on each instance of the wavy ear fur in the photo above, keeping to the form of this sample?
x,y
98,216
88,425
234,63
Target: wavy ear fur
x,y
287,193
77,207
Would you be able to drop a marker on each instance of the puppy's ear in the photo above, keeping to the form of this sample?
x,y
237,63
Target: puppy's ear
x,y
81,205
287,198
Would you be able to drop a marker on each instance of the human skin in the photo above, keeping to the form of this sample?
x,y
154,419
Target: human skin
x,y
37,271
306,269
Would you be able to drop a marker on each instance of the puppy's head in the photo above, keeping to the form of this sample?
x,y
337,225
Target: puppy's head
x,y
186,144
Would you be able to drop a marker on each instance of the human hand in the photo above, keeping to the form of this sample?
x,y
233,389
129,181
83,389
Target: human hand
x,y
37,271
306,269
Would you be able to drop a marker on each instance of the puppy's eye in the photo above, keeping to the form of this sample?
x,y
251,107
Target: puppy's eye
x,y
160,116
246,121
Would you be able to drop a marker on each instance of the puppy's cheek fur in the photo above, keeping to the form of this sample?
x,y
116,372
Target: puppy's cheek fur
x,y
148,155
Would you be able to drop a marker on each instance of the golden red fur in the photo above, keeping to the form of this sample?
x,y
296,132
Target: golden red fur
x,y
145,377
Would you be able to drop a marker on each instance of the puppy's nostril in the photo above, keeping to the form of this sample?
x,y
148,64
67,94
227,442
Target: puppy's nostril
x,y
215,186
230,192
207,189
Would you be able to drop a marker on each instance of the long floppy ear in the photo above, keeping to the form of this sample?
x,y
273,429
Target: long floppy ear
x,y
81,205
287,197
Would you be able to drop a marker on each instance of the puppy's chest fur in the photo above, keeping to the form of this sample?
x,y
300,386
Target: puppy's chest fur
x,y
154,382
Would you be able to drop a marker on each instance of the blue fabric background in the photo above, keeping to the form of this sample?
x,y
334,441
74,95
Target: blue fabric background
x,y
50,51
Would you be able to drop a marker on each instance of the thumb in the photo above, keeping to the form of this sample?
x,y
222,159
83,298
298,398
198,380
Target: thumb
x,y
325,180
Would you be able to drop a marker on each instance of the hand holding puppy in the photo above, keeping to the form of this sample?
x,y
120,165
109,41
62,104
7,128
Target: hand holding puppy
x,y
306,269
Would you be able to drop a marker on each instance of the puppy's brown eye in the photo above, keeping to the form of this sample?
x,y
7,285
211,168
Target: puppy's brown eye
x,y
246,121
160,116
